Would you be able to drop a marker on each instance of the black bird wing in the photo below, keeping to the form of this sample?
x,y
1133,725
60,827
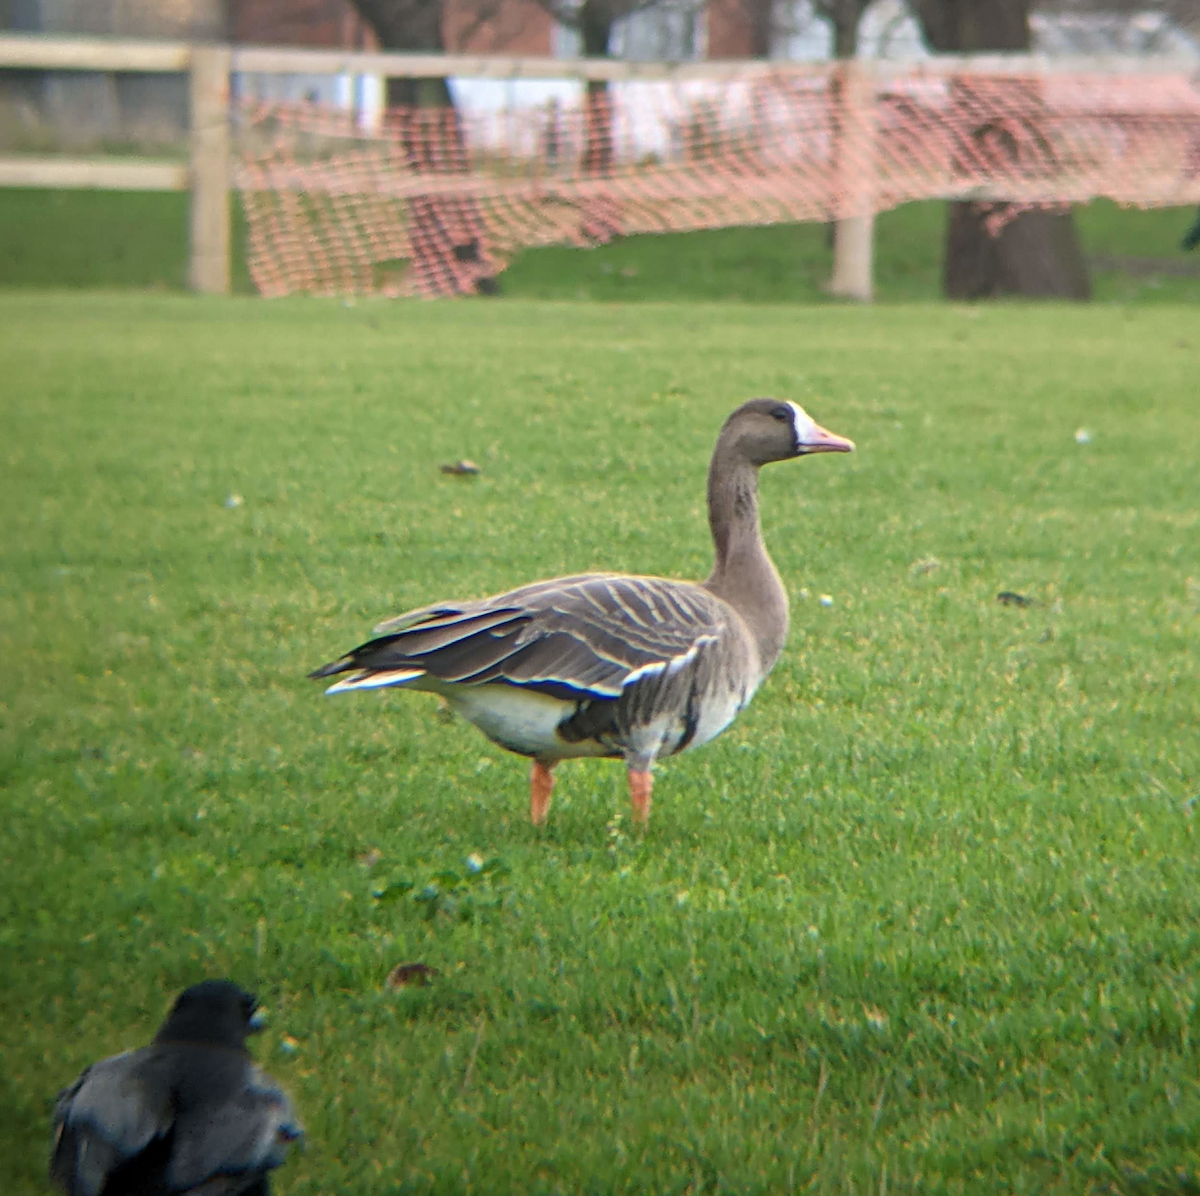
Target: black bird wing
x,y
122,1121
587,636
219,1148
109,1116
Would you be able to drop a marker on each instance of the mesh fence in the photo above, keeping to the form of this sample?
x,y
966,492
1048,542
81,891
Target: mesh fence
x,y
437,201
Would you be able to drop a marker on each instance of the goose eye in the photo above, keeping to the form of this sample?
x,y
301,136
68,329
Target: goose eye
x,y
782,413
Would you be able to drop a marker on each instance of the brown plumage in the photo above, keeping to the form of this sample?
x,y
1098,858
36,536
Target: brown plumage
x,y
605,664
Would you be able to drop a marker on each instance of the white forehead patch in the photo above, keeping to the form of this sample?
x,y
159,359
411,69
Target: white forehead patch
x,y
803,423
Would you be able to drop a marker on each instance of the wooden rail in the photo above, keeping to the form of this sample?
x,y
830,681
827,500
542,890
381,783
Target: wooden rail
x,y
208,175
42,52
102,174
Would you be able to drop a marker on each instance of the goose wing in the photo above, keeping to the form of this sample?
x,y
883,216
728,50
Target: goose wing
x,y
587,636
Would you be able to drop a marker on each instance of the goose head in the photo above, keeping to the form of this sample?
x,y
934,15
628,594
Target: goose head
x,y
765,430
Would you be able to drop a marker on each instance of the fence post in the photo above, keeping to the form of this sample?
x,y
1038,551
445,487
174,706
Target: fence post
x,y
208,270
854,233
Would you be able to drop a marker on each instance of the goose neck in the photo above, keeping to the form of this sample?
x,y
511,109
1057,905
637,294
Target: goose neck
x,y
743,573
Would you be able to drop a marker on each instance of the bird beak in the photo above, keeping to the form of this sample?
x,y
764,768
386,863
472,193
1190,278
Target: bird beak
x,y
258,1019
820,440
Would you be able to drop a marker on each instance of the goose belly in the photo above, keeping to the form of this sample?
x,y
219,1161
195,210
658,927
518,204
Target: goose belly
x,y
716,710
520,720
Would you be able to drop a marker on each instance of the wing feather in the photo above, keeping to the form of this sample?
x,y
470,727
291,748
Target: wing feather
x,y
110,1114
247,1133
586,636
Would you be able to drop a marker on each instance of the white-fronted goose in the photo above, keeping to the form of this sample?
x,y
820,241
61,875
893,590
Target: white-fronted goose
x,y
603,664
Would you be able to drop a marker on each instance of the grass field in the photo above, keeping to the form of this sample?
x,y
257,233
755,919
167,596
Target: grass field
x,y
115,239
926,918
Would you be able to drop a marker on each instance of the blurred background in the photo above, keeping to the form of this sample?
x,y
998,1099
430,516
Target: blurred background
x,y
1108,93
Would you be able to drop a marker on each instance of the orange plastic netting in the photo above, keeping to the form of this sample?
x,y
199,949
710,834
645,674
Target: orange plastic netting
x,y
436,201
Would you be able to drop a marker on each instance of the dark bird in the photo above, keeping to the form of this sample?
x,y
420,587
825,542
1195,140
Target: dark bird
x,y
1192,237
605,664
1012,598
188,1114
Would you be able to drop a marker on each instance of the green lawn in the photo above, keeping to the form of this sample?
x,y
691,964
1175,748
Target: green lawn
x,y
115,239
926,918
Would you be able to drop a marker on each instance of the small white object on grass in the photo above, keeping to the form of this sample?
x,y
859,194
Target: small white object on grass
x,y
234,500
1083,436
474,862
826,600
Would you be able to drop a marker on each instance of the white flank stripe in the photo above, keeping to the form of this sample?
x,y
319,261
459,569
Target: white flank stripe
x,y
679,662
647,670
376,680
673,665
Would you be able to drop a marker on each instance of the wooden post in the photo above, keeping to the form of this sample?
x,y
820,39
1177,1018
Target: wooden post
x,y
854,234
208,271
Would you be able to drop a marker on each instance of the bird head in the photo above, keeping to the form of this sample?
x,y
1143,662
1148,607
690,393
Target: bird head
x,y
213,1011
766,430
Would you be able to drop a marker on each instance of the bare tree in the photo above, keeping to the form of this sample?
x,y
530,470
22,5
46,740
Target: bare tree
x,y
595,22
409,25
1182,13
447,235
844,17
762,23
1037,252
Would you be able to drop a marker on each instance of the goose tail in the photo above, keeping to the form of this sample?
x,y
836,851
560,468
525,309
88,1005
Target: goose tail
x,y
360,678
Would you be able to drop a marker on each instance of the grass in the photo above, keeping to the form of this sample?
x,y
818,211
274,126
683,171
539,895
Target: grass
x,y
925,918
109,239
139,240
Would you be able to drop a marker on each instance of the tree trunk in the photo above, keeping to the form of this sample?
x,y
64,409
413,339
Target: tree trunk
x,y
845,31
1035,253
600,214
843,17
762,27
447,235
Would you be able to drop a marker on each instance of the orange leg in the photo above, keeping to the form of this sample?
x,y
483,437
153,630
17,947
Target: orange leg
x,y
640,784
541,785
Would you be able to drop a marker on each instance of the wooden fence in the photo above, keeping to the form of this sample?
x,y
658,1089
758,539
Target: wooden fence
x,y
208,175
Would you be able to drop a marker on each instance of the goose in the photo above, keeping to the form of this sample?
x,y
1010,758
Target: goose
x,y
605,664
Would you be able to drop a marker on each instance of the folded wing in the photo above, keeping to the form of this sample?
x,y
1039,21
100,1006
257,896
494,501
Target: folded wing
x,y
110,1115
589,636
246,1134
